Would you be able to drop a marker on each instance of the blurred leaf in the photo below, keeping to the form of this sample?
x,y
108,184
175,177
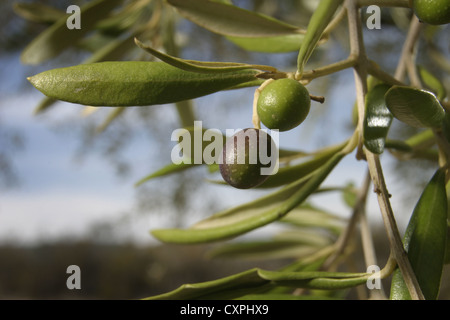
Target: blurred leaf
x,y
264,250
254,280
316,26
38,12
229,20
232,286
236,221
349,195
278,44
58,37
425,241
432,83
124,20
173,168
315,279
446,125
283,296
288,244
113,115
311,217
44,105
377,120
417,108
201,66
114,50
132,83
289,174
166,170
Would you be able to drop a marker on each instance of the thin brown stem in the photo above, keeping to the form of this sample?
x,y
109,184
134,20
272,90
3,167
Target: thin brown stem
x,y
408,51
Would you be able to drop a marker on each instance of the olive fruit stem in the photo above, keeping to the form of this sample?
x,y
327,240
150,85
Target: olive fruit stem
x,y
319,99
329,69
255,117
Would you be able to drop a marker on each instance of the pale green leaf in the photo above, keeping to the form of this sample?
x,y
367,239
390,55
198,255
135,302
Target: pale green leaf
x,y
164,171
263,250
417,108
316,26
425,241
284,296
291,173
253,215
432,83
38,12
256,281
202,66
278,44
230,20
377,119
113,115
236,284
58,37
132,83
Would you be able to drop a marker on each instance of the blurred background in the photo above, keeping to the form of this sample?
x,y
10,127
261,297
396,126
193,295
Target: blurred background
x,y
67,193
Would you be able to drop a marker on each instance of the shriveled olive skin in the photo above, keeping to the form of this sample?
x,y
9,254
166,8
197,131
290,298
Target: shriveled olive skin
x,y
240,173
283,104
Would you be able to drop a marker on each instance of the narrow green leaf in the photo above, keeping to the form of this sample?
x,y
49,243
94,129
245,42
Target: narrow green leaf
x,y
432,83
317,24
278,44
164,171
113,51
288,244
308,216
377,120
284,296
255,281
425,240
58,37
38,12
252,215
132,83
292,173
349,195
124,20
44,105
113,115
236,283
263,250
229,20
201,66
315,279
417,108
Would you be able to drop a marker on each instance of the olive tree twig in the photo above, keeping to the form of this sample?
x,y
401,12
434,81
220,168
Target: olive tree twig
x,y
373,161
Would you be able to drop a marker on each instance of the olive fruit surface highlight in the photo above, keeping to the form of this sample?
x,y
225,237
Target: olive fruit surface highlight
x,y
283,104
244,156
432,11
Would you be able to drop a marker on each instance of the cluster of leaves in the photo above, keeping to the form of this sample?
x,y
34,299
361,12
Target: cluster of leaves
x,y
314,239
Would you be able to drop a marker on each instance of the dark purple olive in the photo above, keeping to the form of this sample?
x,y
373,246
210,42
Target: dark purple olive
x,y
244,156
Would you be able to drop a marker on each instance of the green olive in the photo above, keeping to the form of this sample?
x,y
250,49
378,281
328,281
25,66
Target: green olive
x,y
432,11
283,104
241,158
